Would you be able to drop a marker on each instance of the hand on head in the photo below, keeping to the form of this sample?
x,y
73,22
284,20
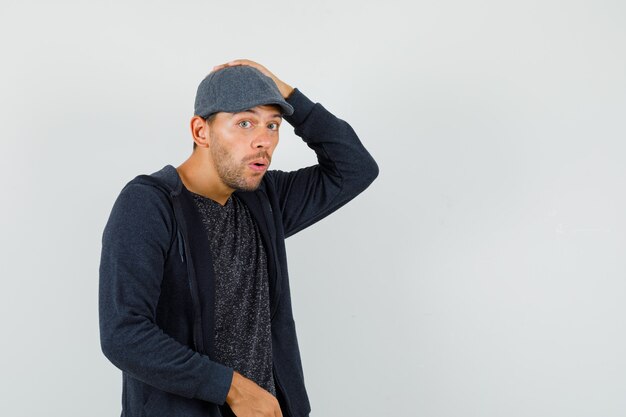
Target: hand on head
x,y
284,88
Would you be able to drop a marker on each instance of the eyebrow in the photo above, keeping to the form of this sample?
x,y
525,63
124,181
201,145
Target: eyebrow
x,y
257,113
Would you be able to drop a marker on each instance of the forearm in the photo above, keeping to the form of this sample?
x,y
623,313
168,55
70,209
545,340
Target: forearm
x,y
338,149
146,353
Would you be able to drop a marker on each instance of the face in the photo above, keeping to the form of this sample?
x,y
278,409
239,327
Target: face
x,y
241,145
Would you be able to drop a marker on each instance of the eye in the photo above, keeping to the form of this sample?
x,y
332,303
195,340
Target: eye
x,y
244,121
273,126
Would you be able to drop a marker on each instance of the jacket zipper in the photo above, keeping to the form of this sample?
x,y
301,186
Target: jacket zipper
x,y
269,220
183,246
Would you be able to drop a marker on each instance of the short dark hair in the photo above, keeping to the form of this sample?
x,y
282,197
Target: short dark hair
x,y
209,119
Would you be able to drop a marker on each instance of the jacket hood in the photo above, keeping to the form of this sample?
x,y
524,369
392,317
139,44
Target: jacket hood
x,y
166,179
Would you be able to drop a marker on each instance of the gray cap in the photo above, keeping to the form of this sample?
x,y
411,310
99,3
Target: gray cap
x,y
237,88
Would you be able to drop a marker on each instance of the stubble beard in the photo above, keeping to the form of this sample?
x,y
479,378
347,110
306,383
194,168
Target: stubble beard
x,y
230,172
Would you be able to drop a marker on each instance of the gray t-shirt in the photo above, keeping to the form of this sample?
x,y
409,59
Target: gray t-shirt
x,y
243,338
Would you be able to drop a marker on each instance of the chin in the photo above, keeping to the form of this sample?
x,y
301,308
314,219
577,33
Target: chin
x,y
249,187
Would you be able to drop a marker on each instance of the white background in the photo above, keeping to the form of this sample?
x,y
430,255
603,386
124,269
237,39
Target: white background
x,y
482,274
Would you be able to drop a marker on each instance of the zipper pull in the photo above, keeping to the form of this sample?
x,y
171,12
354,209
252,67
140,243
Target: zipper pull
x,y
180,247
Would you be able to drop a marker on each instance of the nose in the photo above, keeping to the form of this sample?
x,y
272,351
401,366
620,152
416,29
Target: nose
x,y
264,139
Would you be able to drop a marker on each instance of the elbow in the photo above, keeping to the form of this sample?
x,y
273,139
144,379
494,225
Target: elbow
x,y
114,343
370,172
362,177
109,334
373,171
111,350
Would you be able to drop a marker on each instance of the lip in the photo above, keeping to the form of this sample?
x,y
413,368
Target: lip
x,y
263,164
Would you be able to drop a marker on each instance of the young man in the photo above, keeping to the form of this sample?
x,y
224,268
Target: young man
x,y
194,300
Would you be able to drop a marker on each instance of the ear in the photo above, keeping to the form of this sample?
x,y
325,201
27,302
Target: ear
x,y
200,131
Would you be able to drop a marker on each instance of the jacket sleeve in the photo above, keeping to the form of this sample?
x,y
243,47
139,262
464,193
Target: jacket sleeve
x,y
135,244
344,169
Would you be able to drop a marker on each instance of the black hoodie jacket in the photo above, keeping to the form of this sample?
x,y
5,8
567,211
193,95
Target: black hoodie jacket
x,y
156,294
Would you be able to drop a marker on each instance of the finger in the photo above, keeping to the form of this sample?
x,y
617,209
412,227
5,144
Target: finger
x,y
228,64
220,66
247,62
242,61
236,62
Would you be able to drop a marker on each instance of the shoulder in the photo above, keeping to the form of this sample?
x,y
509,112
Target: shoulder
x,y
141,205
155,189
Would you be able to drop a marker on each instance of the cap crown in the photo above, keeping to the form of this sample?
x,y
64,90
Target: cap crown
x,y
237,88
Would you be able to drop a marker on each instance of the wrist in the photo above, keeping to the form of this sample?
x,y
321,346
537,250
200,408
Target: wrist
x,y
233,393
286,91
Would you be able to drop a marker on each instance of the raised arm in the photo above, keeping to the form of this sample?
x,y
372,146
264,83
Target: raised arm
x,y
344,169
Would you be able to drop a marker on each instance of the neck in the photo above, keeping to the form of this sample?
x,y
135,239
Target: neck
x,y
199,176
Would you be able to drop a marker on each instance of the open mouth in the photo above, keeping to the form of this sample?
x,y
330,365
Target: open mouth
x,y
257,166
